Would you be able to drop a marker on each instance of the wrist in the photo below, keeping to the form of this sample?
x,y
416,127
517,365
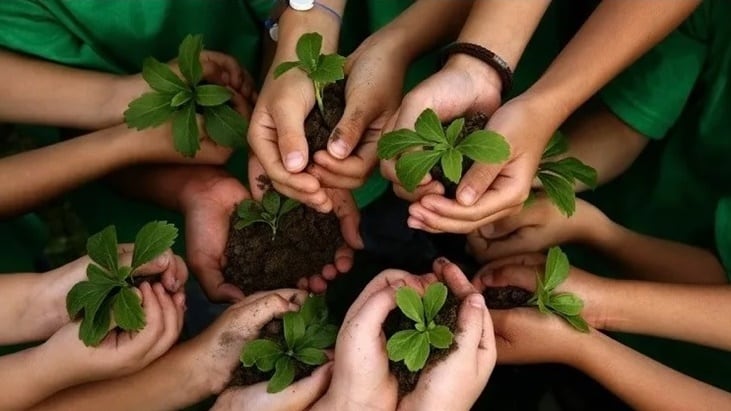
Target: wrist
x,y
195,187
594,227
123,90
480,72
49,302
293,24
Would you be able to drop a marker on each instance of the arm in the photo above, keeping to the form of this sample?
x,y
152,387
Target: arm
x,y
30,310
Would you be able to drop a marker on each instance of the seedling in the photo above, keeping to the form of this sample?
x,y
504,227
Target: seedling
x,y
321,69
566,305
269,211
429,143
180,99
306,336
108,291
559,176
413,346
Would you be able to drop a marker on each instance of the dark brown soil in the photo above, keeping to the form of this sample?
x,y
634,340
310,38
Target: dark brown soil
x,y
396,321
318,127
305,242
251,375
473,123
503,298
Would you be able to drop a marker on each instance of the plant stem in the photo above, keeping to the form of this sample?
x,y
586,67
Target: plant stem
x,y
318,96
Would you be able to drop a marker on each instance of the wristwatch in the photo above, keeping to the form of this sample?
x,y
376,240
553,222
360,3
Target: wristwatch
x,y
272,23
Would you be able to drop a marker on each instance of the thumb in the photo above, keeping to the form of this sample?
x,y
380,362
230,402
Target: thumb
x,y
525,240
515,275
350,128
476,182
157,265
470,323
301,394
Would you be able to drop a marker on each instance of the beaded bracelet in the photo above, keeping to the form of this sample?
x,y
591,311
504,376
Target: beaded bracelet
x,y
486,56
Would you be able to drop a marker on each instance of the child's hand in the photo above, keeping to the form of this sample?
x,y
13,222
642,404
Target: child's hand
x,y
537,227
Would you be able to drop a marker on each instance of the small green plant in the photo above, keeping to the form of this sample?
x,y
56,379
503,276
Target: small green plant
x,y
559,176
181,99
108,291
306,336
566,305
434,144
413,346
269,211
322,69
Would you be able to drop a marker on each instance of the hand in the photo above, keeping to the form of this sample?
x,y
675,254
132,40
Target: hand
x,y
537,227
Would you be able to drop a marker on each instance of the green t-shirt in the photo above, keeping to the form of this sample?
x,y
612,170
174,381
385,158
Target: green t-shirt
x,y
723,233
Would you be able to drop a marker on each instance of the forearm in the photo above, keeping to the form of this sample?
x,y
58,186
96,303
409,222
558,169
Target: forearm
x,y
23,316
293,24
643,383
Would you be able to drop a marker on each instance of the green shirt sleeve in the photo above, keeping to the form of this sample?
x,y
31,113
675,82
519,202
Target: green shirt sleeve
x,y
650,95
723,233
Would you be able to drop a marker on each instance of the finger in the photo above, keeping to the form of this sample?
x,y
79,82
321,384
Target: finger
x,y
528,259
344,257
515,275
304,392
214,286
417,224
332,179
329,272
367,323
453,277
153,314
231,67
254,315
171,319
439,222
173,280
289,120
347,212
318,200
525,240
359,165
352,125
292,295
248,86
388,171
529,216
241,105
386,278
433,187
259,183
470,323
317,284
505,192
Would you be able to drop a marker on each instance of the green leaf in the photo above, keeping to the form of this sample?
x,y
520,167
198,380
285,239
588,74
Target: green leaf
x,y
429,127
557,269
308,50
560,191
285,67
263,353
418,354
99,275
320,336
271,202
453,131
434,298
577,322
123,273
440,337
294,329
225,126
566,303
396,142
249,211
558,169
314,310
149,110
152,240
329,69
400,343
311,356
283,375
245,223
160,77
189,58
185,131
288,205
485,146
211,95
412,167
127,309
181,98
87,296
558,145
580,171
102,248
410,304
95,327
452,165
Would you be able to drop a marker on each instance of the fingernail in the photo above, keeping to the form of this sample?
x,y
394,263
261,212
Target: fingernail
x,y
487,230
467,196
294,161
415,224
339,149
162,260
476,300
417,215
428,206
442,261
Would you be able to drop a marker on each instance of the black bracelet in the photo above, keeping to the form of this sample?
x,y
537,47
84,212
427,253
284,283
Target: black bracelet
x,y
486,56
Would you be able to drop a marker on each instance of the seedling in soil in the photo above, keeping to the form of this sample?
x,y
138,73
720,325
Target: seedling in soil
x,y
429,143
559,176
108,291
413,346
269,211
306,336
321,69
180,99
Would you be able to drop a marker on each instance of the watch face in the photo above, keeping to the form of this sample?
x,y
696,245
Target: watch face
x,y
302,5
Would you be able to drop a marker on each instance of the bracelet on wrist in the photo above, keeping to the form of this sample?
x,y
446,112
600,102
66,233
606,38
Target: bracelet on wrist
x,y
487,57
280,6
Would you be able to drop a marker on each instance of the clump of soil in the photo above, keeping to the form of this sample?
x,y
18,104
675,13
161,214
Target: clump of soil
x,y
273,331
473,123
397,321
503,298
318,127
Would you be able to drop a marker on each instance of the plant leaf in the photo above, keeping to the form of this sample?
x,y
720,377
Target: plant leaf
x,y
440,337
102,248
396,142
95,327
485,146
429,127
557,269
453,131
580,171
181,98
558,169
434,298
87,296
270,202
160,77
311,356
412,167
452,165
150,110
209,95
418,354
400,343
577,322
294,329
560,191
185,130
283,375
152,240
123,273
329,69
314,310
189,58
558,145
566,303
320,336
225,126
308,50
127,309
288,205
409,302
285,67
96,274
263,353
249,210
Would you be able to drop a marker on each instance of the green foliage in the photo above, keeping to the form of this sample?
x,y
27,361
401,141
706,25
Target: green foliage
x,y
413,346
307,334
322,69
108,289
566,305
429,143
558,176
181,99
269,211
